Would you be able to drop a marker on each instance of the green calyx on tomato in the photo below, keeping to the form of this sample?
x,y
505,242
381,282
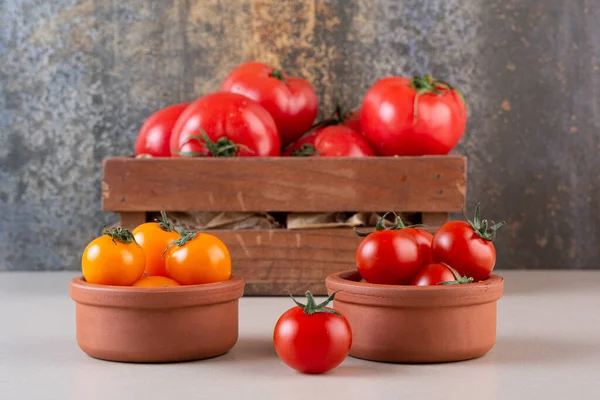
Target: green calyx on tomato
x,y
278,74
164,223
460,280
119,234
223,147
428,84
311,307
484,229
306,150
380,226
185,237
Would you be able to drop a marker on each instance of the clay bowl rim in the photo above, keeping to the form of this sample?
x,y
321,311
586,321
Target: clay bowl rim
x,y
159,297
354,291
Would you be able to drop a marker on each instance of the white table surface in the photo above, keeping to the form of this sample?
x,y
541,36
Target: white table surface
x,y
548,347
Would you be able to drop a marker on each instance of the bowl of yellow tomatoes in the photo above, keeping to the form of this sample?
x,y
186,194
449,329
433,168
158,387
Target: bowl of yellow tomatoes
x,y
156,294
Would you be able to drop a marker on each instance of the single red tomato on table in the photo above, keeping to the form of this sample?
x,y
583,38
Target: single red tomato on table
x,y
389,256
312,338
225,125
331,141
467,246
155,135
292,101
439,274
413,117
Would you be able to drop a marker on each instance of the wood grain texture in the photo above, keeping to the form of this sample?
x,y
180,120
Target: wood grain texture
x,y
429,184
275,261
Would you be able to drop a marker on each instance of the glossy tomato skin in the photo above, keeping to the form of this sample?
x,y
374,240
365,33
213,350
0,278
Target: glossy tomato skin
x,y
108,262
334,141
293,103
314,343
390,257
457,244
340,141
154,241
155,135
155,281
204,259
424,239
230,115
389,123
432,274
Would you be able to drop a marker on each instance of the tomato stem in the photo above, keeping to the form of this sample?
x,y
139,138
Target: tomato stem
x,y
484,229
184,238
460,280
429,84
311,307
306,150
223,147
279,75
119,234
164,223
380,226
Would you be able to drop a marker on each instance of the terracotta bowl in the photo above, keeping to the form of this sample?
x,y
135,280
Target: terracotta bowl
x,y
417,324
154,324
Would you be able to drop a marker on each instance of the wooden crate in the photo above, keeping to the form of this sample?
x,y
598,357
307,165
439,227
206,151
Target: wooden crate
x,y
278,260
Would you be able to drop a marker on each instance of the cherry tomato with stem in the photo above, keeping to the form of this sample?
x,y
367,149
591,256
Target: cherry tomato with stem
x,y
197,258
312,338
439,274
154,237
388,256
467,246
113,259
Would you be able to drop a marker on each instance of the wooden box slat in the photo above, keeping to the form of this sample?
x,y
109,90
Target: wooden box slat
x,y
412,184
276,261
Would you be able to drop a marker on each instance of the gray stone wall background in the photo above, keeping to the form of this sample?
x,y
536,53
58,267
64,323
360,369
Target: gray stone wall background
x,y
77,79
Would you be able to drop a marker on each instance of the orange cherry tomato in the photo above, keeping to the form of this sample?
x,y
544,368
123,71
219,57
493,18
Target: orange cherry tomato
x,y
113,259
155,281
198,258
154,237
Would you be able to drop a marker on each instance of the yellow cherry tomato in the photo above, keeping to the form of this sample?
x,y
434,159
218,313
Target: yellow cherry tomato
x,y
113,259
154,237
198,258
155,281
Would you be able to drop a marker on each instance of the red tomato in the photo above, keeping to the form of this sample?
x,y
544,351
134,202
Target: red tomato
x,y
413,117
291,101
467,246
312,338
305,146
390,257
436,274
424,240
332,141
155,134
234,124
